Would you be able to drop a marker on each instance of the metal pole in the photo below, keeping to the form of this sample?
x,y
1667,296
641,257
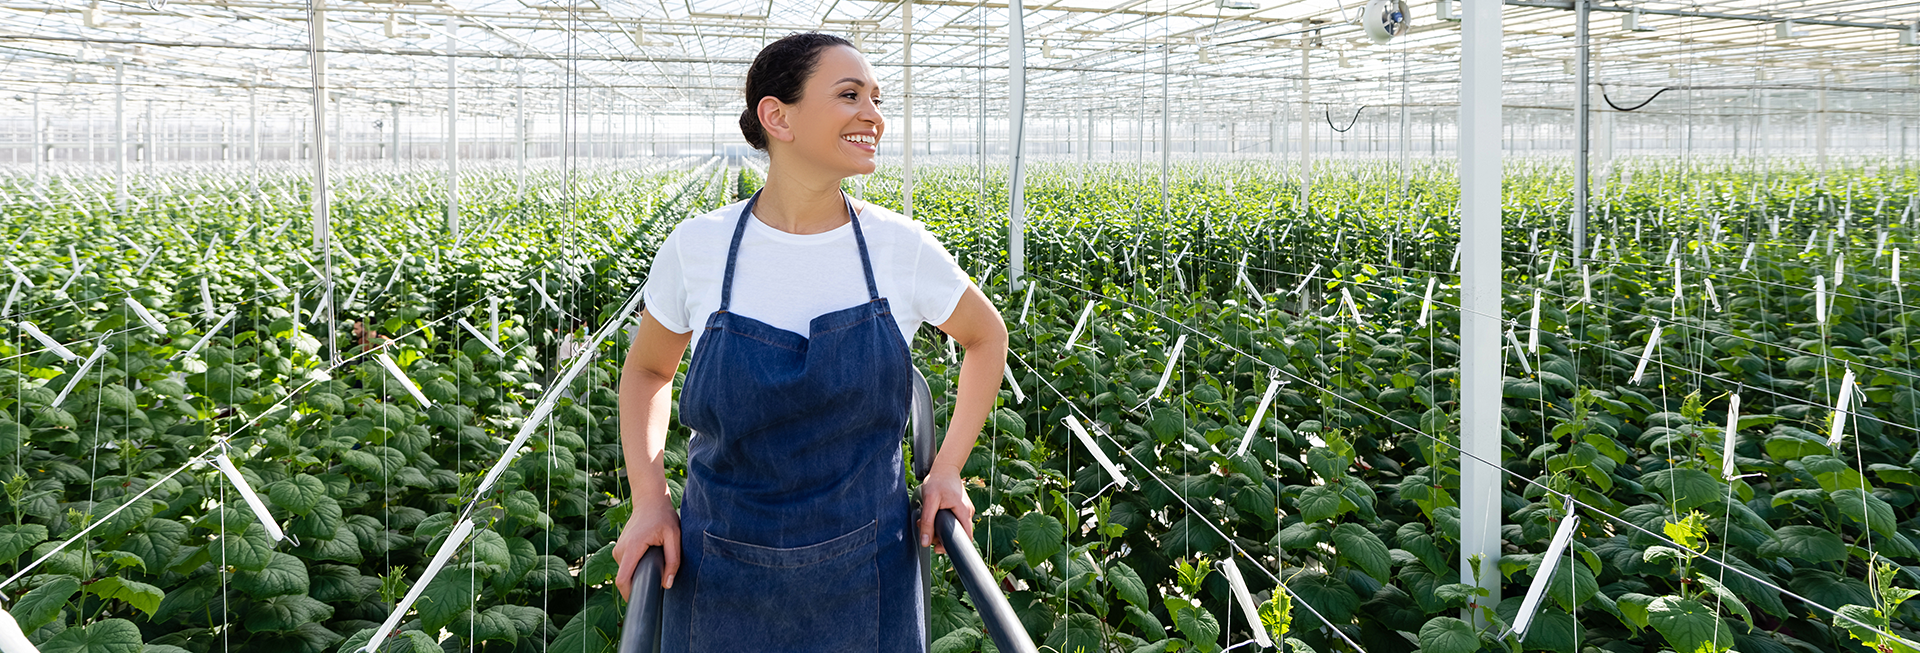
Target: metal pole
x,y
520,131
1582,117
1166,122
1016,122
1480,361
1306,122
120,134
453,130
322,225
1820,127
906,154
39,147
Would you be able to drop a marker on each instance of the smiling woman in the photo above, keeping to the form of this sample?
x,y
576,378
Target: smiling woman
x,y
795,523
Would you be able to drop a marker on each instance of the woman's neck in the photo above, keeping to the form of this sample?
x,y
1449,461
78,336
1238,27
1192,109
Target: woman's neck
x,y
798,204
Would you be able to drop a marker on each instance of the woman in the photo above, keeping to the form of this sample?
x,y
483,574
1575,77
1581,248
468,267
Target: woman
x,y
794,524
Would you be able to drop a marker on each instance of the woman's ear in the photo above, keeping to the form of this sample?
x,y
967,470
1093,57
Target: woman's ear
x,y
773,119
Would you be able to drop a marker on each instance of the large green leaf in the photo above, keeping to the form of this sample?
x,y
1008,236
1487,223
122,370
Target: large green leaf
x,y
143,597
1040,537
286,613
16,539
1448,635
1688,626
1808,543
1318,503
1079,632
1865,509
1685,488
284,574
1128,585
108,636
450,593
39,606
297,493
1364,549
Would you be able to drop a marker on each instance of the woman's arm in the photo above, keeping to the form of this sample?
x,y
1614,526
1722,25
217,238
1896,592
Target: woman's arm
x,y
977,327
646,388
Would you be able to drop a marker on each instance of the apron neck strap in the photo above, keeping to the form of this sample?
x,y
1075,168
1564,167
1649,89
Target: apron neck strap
x,y
740,229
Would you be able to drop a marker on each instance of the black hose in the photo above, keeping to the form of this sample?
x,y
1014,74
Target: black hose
x,y
1356,118
1616,107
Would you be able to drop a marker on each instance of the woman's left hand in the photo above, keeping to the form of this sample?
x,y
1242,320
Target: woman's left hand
x,y
943,489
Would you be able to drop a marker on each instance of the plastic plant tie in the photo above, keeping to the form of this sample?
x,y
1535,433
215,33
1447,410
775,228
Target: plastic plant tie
x,y
1837,429
12,640
1426,305
1519,352
206,299
1455,265
75,274
1553,263
1880,245
1073,424
1548,562
1304,280
1259,414
140,311
1245,599
1595,252
1166,373
13,293
1251,290
455,538
273,279
1027,303
493,311
202,342
81,373
1744,260
1819,299
1018,396
47,341
401,376
253,499
1079,325
135,246
1533,327
210,245
1810,240
491,346
1347,298
952,356
1727,469
1712,297
546,301
1673,251
1586,284
1653,341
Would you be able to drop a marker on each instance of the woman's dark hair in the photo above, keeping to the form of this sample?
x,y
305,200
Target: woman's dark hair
x,y
780,71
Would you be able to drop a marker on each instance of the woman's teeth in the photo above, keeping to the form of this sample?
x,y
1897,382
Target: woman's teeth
x,y
859,138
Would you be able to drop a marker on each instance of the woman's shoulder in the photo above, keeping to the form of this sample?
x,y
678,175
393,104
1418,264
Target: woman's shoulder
x,y
705,228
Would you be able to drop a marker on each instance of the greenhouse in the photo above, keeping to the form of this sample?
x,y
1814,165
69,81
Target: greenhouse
x,y
1329,325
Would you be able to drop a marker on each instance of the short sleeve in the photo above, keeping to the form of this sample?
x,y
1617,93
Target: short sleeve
x,y
938,281
665,291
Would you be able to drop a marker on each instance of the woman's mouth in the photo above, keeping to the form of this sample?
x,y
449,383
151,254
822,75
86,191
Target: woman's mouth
x,y
862,141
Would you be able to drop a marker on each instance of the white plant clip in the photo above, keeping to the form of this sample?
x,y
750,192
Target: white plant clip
x,y
140,311
1353,307
1553,263
1839,272
208,335
206,299
1838,427
1727,469
477,335
1027,303
252,498
1259,414
1018,396
1079,325
455,538
1245,599
1595,252
12,640
47,341
1748,257
1819,299
1455,265
1548,562
1251,290
1653,341
493,312
81,373
1081,432
1673,251
13,294
1426,304
1712,297
1166,373
1533,327
546,301
1519,352
1304,280
135,246
1586,284
273,279
401,376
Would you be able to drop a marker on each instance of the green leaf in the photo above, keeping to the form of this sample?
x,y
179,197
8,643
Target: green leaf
x,y
1448,635
109,636
1686,488
143,597
1809,543
1144,620
1865,509
1196,623
1078,632
286,613
450,594
297,493
1364,549
958,640
1728,599
493,623
16,539
1688,626
1040,537
284,574
1633,606
1318,503
1126,582
490,550
40,606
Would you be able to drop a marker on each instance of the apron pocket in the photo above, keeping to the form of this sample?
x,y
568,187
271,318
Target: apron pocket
x,y
819,597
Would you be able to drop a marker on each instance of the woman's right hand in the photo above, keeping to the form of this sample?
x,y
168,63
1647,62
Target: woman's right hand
x,y
654,523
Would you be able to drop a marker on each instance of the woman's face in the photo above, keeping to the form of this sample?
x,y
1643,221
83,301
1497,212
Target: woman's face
x,y
836,125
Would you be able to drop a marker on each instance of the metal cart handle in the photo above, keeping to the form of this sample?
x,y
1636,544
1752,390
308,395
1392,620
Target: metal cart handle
x,y
641,633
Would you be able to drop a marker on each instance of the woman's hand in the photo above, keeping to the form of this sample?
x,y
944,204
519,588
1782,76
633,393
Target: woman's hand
x,y
943,489
654,523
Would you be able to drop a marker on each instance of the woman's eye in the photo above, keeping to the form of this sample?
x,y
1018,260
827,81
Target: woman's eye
x,y
877,101
850,95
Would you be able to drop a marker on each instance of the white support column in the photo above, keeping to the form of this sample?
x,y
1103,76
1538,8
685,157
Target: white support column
x,y
1480,315
1582,134
322,219
1166,126
120,135
906,153
1306,121
393,148
453,129
1016,124
39,147
1820,127
520,131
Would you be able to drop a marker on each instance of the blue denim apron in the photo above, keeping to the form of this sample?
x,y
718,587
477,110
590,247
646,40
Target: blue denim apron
x,y
795,533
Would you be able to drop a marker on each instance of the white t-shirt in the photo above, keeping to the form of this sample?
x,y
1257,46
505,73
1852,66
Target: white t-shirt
x,y
786,280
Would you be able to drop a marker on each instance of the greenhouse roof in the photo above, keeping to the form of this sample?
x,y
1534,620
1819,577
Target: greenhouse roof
x,y
1082,55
